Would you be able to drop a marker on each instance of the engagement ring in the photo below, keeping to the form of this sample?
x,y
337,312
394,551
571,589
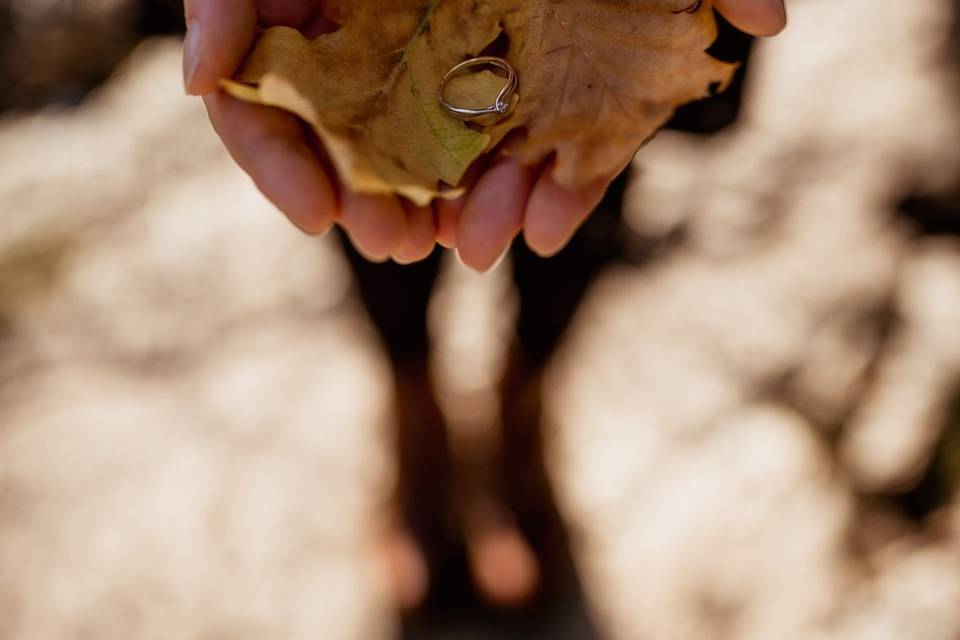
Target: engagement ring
x,y
501,105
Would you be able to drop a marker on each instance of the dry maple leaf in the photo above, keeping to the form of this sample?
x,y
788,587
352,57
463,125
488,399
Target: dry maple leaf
x,y
598,77
369,90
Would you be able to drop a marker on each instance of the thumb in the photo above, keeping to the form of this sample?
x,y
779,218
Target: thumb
x,y
219,34
757,17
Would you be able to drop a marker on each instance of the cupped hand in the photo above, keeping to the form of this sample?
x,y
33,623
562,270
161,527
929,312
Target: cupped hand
x,y
274,148
281,158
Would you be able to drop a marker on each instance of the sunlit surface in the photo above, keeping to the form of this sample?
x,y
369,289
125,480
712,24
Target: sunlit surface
x,y
720,412
195,416
192,440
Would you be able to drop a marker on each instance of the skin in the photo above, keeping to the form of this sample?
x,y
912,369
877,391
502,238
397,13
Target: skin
x,y
504,198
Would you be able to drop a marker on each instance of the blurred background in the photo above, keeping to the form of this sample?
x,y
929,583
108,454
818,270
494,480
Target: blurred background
x,y
753,425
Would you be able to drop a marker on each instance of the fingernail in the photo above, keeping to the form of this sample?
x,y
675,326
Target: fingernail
x,y
191,54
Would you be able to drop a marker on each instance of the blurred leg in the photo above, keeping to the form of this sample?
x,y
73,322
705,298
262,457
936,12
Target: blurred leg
x,y
550,292
396,298
513,533
551,289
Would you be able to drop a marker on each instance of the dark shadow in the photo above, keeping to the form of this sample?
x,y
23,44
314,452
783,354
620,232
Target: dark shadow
x,y
550,291
935,215
932,214
721,111
60,56
936,487
160,17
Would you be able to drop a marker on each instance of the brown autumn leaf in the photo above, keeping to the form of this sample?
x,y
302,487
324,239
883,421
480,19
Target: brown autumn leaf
x,y
369,90
598,77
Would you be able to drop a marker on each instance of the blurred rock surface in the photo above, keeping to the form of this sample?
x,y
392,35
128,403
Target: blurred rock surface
x,y
730,418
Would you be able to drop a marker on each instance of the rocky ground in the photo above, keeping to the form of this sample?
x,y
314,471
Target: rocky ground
x,y
754,433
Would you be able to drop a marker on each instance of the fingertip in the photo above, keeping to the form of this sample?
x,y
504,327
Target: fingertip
x,y
447,219
377,224
421,237
290,176
763,18
219,35
369,257
450,211
493,214
270,147
554,214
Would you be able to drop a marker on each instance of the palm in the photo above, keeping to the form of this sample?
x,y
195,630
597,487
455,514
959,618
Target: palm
x,y
504,198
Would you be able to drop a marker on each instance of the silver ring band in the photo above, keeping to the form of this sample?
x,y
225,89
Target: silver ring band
x,y
500,106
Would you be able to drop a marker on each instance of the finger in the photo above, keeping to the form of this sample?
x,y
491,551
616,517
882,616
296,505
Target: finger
x,y
421,236
448,211
757,17
377,225
493,214
219,33
447,219
554,214
270,146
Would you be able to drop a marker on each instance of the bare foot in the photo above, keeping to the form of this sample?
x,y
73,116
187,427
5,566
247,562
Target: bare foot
x,y
504,567
407,569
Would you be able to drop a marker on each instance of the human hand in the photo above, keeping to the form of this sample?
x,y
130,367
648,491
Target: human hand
x,y
509,198
275,150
